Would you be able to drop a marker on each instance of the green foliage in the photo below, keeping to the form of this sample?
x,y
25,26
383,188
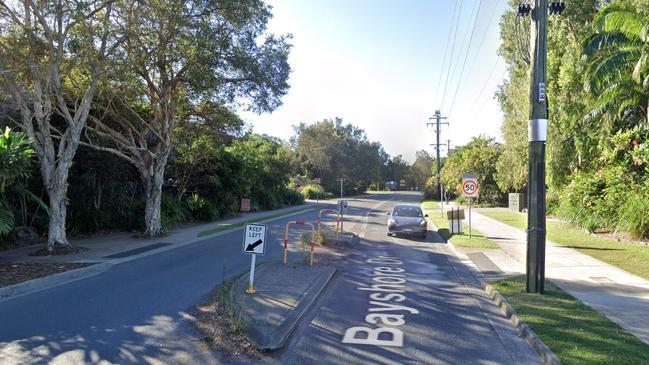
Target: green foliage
x,y
330,150
6,219
634,215
201,209
598,88
313,191
15,157
15,165
293,197
479,156
173,212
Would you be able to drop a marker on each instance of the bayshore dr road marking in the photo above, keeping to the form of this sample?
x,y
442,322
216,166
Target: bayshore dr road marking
x,y
386,312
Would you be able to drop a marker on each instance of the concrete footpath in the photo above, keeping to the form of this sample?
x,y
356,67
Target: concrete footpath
x,y
619,295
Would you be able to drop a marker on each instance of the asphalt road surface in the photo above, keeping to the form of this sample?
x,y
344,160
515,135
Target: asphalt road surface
x,y
394,301
125,315
401,301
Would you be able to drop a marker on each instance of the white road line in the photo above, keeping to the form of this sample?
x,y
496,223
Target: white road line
x,y
367,216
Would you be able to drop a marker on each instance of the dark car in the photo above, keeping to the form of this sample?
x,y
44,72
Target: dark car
x,y
407,219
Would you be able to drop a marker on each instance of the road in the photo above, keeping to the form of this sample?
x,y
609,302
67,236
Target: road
x,y
124,315
438,313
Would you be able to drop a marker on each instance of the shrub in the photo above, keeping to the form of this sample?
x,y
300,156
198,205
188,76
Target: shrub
x,y
313,191
293,197
173,212
634,216
201,209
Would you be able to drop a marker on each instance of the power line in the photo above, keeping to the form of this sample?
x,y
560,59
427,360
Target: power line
x,y
482,105
484,85
464,43
452,52
484,35
448,41
466,56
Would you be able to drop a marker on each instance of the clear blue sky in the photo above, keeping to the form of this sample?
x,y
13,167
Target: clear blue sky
x,y
377,64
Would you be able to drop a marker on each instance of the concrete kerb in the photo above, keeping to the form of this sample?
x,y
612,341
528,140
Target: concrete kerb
x,y
39,284
532,339
278,337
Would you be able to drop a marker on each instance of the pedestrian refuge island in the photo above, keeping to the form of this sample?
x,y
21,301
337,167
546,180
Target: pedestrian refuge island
x,y
286,230
323,228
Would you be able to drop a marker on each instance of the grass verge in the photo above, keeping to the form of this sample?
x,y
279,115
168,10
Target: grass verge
x,y
629,257
225,227
429,205
477,240
576,333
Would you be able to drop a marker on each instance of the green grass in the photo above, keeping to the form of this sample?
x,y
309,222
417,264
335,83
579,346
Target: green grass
x,y
429,205
477,240
576,333
629,257
225,227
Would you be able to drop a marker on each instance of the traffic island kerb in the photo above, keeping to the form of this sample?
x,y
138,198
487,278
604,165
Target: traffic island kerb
x,y
283,295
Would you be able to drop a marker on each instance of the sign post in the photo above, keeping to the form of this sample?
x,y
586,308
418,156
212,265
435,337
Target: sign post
x,y
470,189
254,243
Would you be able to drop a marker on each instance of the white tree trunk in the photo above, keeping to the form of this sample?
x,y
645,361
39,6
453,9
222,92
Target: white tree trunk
x,y
56,234
153,188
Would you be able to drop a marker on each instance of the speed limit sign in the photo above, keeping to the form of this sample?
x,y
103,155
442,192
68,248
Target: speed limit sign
x,y
470,186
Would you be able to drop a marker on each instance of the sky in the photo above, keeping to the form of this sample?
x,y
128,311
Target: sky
x,y
387,65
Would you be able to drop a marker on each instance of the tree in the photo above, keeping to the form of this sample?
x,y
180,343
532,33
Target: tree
x,y
618,61
48,48
397,170
176,55
330,150
478,156
421,169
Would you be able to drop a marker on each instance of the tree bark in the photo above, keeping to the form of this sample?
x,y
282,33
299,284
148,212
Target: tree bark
x,y
153,180
56,233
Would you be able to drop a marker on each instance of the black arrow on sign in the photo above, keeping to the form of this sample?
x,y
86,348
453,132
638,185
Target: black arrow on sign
x,y
251,246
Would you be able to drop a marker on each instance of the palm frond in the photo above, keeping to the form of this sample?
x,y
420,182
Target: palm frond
x,y
640,68
621,17
6,220
597,42
609,66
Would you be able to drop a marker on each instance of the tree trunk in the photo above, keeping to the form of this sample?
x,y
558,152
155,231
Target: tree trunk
x,y
153,188
56,235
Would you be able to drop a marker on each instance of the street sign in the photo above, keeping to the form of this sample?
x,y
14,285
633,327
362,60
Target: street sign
x,y
254,239
470,186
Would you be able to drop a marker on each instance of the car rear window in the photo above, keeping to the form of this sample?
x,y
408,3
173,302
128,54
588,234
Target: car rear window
x,y
407,212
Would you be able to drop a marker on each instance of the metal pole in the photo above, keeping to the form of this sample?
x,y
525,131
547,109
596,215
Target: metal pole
x,y
470,200
341,188
441,200
439,163
251,280
538,124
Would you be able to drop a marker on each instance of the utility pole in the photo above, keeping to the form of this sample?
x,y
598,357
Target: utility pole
x,y
537,136
341,187
438,122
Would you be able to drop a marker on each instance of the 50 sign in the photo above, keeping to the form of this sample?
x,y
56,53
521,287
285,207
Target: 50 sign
x,y
470,186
